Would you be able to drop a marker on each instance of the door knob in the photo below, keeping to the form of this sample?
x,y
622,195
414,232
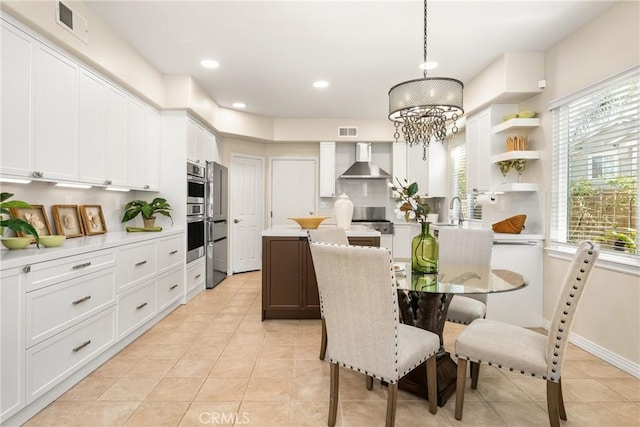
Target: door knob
x,y
235,221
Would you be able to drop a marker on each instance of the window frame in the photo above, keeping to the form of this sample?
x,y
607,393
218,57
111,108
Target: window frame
x,y
558,244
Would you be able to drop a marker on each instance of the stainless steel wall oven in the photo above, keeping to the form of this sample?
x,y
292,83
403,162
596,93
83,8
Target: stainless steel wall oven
x,y
196,232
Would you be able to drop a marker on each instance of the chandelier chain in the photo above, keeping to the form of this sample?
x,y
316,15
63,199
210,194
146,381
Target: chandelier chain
x,y
425,39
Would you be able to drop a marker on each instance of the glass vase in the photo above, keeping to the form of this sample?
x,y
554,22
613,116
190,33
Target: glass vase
x,y
424,251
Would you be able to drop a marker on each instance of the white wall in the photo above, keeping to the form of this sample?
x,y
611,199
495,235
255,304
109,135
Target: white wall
x,y
609,313
41,193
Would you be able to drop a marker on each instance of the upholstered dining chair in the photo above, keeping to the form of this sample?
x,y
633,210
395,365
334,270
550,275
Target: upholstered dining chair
x,y
522,350
360,303
467,246
328,235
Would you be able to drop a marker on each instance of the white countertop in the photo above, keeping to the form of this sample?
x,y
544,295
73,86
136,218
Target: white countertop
x,y
296,231
76,246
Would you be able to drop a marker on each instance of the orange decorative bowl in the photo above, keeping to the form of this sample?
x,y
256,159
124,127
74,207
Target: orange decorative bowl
x,y
310,222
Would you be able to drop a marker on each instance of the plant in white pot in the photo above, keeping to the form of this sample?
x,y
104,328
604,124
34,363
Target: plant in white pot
x,y
147,210
15,224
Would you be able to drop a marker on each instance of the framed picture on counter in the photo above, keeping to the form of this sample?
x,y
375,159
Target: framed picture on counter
x,y
93,219
36,216
67,220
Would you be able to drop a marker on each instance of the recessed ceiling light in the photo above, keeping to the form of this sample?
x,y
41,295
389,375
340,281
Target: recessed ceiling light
x,y
209,63
239,105
429,65
320,84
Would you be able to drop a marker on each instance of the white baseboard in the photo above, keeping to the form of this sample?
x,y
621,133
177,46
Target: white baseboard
x,y
601,352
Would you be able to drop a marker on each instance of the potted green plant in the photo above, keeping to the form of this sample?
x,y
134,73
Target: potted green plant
x,y
15,224
147,210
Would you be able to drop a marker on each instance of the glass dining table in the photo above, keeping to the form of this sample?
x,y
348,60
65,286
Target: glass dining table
x,y
424,299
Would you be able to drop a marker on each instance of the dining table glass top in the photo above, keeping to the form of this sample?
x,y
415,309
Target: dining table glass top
x,y
454,278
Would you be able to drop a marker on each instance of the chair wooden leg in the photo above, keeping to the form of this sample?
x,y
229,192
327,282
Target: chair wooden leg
x,y
323,342
369,382
392,397
475,373
333,394
432,384
460,385
561,410
553,390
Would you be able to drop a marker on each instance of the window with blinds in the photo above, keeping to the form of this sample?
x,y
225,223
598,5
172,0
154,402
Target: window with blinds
x,y
595,165
458,181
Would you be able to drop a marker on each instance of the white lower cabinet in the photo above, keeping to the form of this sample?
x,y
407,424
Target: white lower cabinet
x,y
51,361
136,263
195,277
11,344
55,308
170,288
63,316
135,307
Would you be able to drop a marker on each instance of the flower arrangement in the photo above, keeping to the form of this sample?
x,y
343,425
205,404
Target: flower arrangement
x,y
410,205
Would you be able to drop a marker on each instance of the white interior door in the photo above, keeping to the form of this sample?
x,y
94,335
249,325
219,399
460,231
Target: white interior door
x,y
247,195
293,189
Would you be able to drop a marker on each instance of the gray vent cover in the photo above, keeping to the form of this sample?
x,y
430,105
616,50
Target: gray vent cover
x,y
347,131
73,22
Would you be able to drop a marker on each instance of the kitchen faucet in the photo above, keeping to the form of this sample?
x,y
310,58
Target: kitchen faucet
x,y
461,217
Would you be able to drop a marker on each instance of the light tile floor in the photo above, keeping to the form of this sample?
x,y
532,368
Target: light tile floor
x,y
213,362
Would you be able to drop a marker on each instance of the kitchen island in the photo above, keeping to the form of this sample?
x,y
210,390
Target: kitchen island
x,y
289,288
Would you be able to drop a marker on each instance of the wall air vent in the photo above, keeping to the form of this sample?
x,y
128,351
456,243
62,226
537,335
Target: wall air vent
x,y
347,131
73,22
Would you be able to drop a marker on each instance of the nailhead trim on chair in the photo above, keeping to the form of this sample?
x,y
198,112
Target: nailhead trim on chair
x,y
544,377
402,374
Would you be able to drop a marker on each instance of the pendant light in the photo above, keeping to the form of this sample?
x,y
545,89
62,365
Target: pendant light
x,y
421,109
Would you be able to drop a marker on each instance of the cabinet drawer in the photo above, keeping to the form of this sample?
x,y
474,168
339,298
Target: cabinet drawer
x,y
135,307
55,271
55,308
135,265
170,288
53,360
170,253
195,276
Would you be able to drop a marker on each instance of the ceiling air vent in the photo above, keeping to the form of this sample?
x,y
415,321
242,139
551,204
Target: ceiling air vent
x,y
73,22
347,131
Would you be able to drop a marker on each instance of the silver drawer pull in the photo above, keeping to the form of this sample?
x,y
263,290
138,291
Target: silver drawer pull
x,y
138,264
173,252
81,346
143,305
173,287
78,301
79,266
198,276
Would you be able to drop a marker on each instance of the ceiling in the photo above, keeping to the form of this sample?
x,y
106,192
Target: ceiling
x,y
270,52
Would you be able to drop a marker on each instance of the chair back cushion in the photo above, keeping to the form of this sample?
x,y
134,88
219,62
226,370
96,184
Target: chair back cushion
x,y
360,306
328,235
466,246
566,305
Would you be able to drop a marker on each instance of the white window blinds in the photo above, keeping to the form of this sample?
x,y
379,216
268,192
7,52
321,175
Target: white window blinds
x,y
595,165
458,180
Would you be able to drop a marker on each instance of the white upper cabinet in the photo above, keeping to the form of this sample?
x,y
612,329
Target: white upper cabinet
x,y
92,107
478,151
201,144
15,101
137,151
430,174
327,169
55,84
63,122
116,137
152,158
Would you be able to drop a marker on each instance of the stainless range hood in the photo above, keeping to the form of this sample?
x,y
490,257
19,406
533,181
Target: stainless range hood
x,y
363,168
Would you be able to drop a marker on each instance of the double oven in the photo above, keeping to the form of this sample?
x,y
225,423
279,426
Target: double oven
x,y
196,185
